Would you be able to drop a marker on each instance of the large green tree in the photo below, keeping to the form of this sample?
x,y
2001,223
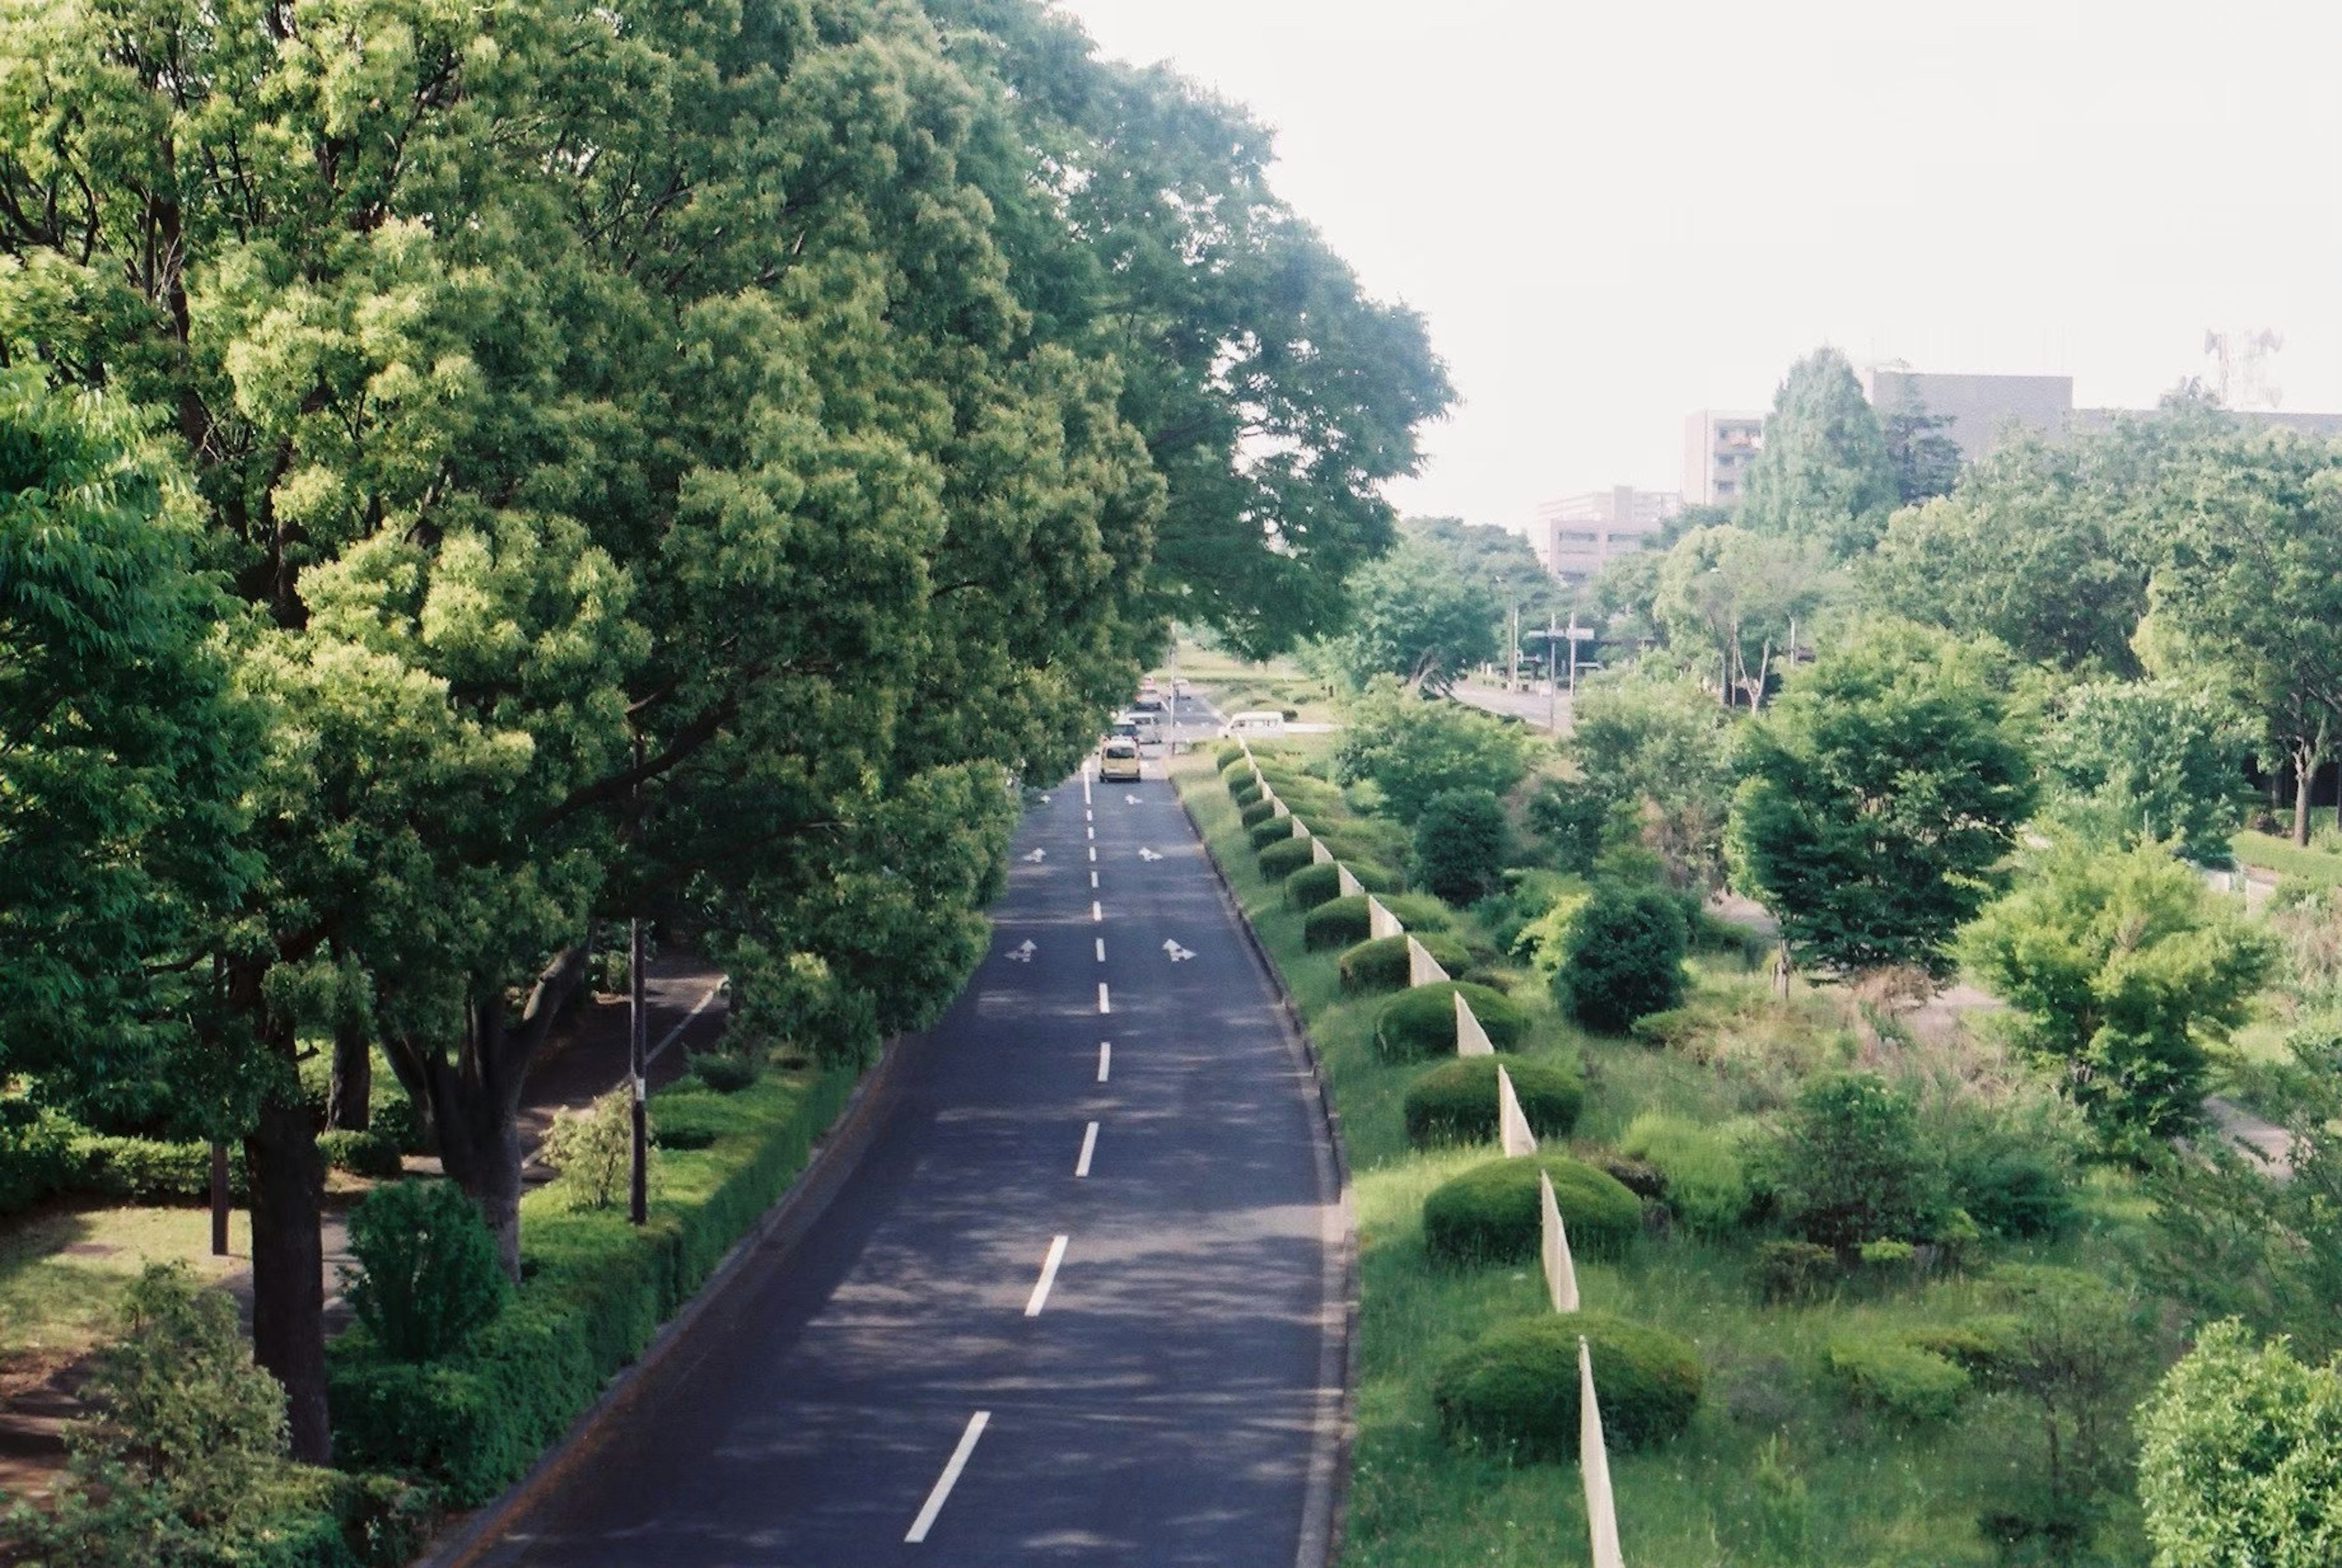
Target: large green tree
x,y
1417,616
1415,748
1878,798
2162,760
1663,748
1737,597
1824,473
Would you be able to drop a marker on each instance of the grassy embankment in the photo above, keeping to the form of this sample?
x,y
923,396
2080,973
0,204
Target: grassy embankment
x,y
2316,867
1775,1469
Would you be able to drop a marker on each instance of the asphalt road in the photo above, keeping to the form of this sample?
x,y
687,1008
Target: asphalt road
x,y
1165,1398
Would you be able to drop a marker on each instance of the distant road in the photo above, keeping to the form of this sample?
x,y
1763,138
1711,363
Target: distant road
x,y
1533,706
1076,1306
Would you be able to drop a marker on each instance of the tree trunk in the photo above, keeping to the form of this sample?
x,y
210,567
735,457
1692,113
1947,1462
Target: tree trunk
x,y
2304,771
481,1154
349,1098
288,1265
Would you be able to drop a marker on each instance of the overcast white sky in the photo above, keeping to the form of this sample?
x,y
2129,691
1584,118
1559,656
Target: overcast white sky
x,y
1615,213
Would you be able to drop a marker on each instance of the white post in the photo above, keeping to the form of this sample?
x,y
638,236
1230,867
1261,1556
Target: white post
x,y
1512,1122
1422,969
1318,853
1349,885
1560,1268
1381,921
1594,1465
1471,1040
1300,828
1279,808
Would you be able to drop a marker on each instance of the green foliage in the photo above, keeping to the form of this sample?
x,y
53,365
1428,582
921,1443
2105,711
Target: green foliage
x,y
1926,461
1877,799
1894,1380
599,1287
1272,831
1728,600
1419,1023
367,1153
1622,958
1576,820
1490,1214
1314,887
1455,1101
427,1277
2013,1165
1342,922
1380,963
1414,749
1229,755
2122,964
727,1071
2148,760
1514,1391
2240,1457
1704,1168
1281,857
593,1149
1660,747
1415,617
1823,473
1258,814
1460,845
1849,1167
2072,1348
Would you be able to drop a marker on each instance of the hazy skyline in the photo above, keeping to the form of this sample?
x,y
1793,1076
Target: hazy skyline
x,y
1613,215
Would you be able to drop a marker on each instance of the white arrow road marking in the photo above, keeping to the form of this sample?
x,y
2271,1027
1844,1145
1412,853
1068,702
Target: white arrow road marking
x,y
1045,800
1130,800
1023,955
949,1478
1037,856
1148,854
1179,954
1048,1277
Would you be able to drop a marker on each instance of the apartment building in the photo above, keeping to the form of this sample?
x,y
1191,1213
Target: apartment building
x,y
1718,446
1576,534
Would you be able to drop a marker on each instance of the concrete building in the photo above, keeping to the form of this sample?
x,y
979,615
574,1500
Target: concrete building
x,y
1718,446
1979,407
1576,534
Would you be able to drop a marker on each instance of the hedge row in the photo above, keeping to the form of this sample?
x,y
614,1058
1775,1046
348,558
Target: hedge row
x,y
1489,1214
596,1291
1455,1101
1419,1023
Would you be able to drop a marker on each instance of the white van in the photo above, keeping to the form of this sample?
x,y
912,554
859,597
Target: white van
x,y
1255,725
1145,728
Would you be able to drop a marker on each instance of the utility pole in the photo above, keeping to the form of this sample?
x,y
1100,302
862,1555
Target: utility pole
x,y
1513,670
639,1175
1552,673
1573,657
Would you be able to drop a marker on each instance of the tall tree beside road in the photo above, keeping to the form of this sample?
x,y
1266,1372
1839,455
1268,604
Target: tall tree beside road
x,y
1878,797
2252,582
2152,759
1740,596
1823,473
1663,746
1273,396
1416,616
1414,749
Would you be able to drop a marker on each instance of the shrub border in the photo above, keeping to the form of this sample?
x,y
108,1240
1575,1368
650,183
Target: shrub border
x,y
1326,1501
837,1154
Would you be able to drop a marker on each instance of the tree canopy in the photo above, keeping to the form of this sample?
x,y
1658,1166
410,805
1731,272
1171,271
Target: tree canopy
x,y
1822,474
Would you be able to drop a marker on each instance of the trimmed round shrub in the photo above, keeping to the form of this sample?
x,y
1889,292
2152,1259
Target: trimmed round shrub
x,y
1269,830
1455,1101
1489,1214
1622,958
1314,884
1258,811
1890,1378
1514,1390
1228,756
1379,963
1419,1023
725,1072
1243,792
1418,912
1332,921
427,1277
362,1153
1459,846
1281,857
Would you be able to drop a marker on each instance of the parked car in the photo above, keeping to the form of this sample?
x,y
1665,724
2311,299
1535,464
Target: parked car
x,y
1118,759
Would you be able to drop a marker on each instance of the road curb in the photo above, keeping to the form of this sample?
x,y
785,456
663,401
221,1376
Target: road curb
x,y
837,1155
1325,1515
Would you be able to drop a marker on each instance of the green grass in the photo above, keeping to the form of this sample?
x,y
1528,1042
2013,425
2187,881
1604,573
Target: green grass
x,y
1774,1469
63,1273
2318,867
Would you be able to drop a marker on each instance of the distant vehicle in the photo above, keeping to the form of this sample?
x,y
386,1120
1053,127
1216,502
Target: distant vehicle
x,y
1145,728
1255,724
1118,759
1125,728
1146,702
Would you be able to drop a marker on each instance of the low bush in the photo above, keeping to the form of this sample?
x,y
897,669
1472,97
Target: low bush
x,y
1313,885
1455,1101
1622,958
1705,1176
427,1277
1894,1379
1274,829
1793,1271
1281,857
597,1288
725,1072
1419,1023
1245,792
1261,812
1850,1167
1975,1346
1459,846
1419,913
367,1154
1228,755
1379,963
1489,1214
1514,1391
